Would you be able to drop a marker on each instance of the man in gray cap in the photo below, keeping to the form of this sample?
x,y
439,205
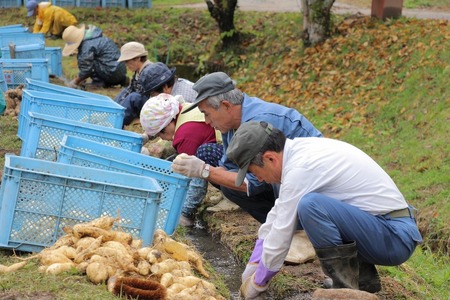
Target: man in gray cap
x,y
351,210
225,107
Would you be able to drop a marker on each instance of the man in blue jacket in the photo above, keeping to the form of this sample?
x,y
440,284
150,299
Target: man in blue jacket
x,y
225,108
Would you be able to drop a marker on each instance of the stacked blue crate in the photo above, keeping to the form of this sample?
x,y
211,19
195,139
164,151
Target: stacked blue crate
x,y
54,56
17,70
88,110
39,198
87,153
25,51
139,3
44,134
37,85
10,3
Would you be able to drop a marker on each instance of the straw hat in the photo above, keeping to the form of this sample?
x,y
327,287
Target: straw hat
x,y
73,36
132,50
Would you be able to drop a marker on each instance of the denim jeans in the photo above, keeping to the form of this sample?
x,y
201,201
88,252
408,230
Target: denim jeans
x,y
210,153
380,240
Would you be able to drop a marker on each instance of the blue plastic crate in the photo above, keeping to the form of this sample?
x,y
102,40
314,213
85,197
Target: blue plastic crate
x,y
15,75
21,38
65,3
25,51
114,3
54,56
89,3
11,3
37,85
44,135
20,69
139,3
40,198
13,28
109,114
82,152
3,85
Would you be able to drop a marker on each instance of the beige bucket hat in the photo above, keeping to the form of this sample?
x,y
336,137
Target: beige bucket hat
x,y
132,50
73,36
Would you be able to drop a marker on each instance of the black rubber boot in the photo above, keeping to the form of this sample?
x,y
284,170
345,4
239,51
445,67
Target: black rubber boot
x,y
340,263
369,280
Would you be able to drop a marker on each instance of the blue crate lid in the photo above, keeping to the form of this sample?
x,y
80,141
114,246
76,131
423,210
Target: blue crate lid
x,y
38,85
78,151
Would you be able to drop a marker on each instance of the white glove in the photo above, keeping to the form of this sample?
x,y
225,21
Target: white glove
x,y
188,165
145,138
250,268
73,84
250,290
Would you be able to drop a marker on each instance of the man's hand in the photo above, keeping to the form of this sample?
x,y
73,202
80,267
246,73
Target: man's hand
x,y
250,269
188,165
73,84
250,290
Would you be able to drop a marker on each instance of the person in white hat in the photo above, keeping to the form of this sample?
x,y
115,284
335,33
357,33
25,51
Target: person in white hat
x,y
97,57
50,18
136,94
162,117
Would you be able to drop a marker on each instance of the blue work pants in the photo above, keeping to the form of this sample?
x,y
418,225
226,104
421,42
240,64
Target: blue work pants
x,y
380,240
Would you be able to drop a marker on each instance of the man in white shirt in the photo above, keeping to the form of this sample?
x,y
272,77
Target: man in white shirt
x,y
351,210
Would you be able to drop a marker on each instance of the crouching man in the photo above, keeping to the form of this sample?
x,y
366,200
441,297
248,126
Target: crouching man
x,y
351,210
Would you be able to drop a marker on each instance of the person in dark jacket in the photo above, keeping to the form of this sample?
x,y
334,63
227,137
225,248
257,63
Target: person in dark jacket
x,y
97,57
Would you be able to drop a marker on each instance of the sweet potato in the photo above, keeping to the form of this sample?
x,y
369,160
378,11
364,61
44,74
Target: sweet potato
x,y
84,243
198,263
105,222
50,257
143,267
168,265
97,272
89,251
176,250
12,268
167,279
58,268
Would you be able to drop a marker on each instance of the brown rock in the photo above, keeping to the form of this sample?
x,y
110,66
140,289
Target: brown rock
x,y
344,294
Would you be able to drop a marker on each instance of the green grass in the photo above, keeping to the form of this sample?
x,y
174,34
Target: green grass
x,y
382,86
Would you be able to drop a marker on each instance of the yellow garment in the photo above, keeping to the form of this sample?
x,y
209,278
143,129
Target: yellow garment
x,y
194,115
53,19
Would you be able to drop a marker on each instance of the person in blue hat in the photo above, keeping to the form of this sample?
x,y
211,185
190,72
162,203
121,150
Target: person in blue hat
x,y
50,19
158,79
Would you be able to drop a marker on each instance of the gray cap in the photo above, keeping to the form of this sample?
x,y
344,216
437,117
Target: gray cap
x,y
246,143
210,85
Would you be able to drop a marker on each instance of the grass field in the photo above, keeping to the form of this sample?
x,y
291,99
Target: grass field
x,y
382,86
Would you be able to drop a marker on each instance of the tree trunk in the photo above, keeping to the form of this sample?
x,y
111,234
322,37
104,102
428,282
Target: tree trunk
x,y
223,12
316,21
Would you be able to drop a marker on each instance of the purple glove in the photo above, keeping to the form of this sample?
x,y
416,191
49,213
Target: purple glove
x,y
250,290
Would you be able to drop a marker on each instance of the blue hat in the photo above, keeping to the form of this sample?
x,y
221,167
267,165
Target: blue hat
x,y
158,75
31,6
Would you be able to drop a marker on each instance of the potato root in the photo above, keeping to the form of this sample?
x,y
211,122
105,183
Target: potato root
x,y
12,268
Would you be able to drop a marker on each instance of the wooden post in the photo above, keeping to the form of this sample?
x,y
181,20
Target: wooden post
x,y
383,9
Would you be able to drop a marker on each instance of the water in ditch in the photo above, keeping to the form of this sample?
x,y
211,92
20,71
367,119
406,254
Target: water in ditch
x,y
219,256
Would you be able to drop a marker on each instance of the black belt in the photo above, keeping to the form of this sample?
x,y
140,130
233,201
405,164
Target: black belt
x,y
402,213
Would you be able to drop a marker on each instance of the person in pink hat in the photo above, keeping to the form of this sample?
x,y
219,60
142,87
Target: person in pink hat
x,y
161,116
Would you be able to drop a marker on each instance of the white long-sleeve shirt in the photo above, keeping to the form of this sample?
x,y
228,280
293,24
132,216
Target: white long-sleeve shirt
x,y
330,167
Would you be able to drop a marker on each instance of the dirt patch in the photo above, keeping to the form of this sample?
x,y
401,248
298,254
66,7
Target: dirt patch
x,y
238,231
